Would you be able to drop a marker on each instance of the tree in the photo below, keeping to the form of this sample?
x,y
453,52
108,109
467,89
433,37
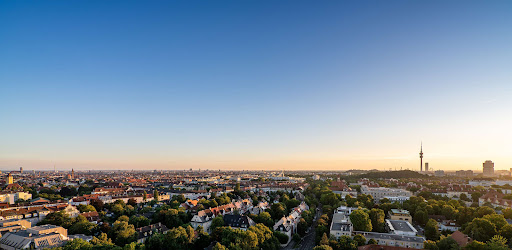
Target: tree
x,y
482,211
322,247
123,218
145,196
464,197
497,219
134,246
219,246
475,245
102,239
77,244
237,187
264,218
283,238
155,195
377,217
421,217
171,217
497,242
132,202
217,222
506,231
139,221
302,227
448,243
296,237
84,227
465,215
475,196
431,230
277,211
202,241
361,220
86,208
372,242
346,242
97,203
324,240
118,209
58,219
123,232
68,191
360,240
448,211
507,213
480,229
430,245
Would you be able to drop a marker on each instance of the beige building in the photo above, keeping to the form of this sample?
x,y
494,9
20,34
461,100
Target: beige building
x,y
400,214
46,236
9,179
488,168
12,197
13,226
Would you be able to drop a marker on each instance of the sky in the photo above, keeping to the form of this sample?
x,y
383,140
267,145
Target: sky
x,y
242,85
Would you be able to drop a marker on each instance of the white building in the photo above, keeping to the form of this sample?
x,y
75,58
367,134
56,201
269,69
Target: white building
x,y
401,227
345,210
379,193
341,225
399,199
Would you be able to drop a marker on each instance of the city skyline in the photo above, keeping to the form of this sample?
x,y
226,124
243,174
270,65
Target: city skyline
x,y
272,86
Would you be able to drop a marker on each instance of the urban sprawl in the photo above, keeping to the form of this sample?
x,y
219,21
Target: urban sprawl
x,y
214,209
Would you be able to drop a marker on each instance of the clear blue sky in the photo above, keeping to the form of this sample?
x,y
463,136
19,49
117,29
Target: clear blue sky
x,y
255,84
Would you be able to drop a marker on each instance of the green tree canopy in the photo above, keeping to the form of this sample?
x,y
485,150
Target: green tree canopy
x,y
361,220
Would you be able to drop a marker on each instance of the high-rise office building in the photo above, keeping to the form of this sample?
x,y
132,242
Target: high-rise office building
x,y
426,166
488,168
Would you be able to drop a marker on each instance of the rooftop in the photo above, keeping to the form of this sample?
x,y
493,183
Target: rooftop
x,y
399,211
340,222
400,225
388,236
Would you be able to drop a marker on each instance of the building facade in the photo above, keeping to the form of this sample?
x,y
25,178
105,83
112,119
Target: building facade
x,y
488,168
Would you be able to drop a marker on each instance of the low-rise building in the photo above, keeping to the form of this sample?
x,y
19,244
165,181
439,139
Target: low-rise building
x,y
11,197
389,239
341,225
345,210
143,233
379,193
400,214
401,227
288,224
236,221
46,236
13,226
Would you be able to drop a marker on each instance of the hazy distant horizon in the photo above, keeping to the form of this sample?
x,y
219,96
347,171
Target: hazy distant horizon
x,y
255,85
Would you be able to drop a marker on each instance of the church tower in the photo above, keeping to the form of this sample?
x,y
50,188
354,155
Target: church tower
x,y
9,179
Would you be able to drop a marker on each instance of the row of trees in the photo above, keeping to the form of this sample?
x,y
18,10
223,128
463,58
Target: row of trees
x,y
497,242
343,243
255,237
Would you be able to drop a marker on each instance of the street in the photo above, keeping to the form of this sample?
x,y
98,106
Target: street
x,y
308,241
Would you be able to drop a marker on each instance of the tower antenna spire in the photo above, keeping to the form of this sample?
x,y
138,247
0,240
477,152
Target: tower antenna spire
x,y
421,157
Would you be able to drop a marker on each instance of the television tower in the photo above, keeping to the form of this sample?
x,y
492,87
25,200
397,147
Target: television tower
x,y
421,157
